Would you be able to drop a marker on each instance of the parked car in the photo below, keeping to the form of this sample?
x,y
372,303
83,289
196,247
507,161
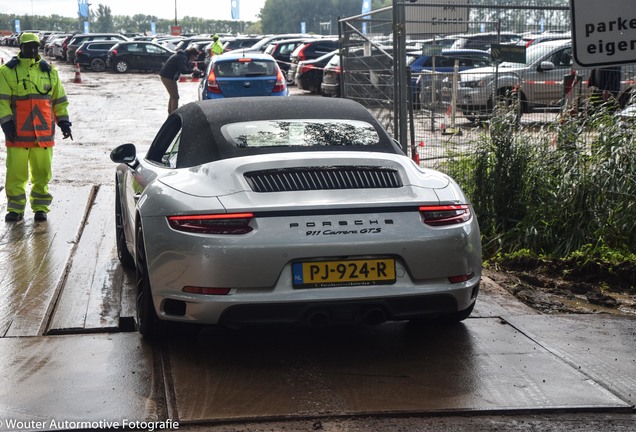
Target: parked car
x,y
169,42
53,42
261,45
184,43
93,55
80,38
309,51
426,81
233,43
538,83
137,55
482,41
330,85
531,38
293,211
63,47
282,50
239,74
309,72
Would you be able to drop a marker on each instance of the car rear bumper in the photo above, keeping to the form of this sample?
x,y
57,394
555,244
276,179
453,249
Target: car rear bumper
x,y
321,305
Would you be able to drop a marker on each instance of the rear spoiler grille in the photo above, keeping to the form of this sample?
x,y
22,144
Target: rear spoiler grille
x,y
323,178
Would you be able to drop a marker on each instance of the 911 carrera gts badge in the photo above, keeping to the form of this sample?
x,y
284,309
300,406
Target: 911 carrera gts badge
x,y
343,227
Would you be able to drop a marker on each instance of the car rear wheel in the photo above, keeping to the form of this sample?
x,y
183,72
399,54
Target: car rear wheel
x,y
121,66
98,65
150,326
125,257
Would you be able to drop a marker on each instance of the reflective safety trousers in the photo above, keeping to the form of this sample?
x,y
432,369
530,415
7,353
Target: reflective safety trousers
x,y
21,162
35,100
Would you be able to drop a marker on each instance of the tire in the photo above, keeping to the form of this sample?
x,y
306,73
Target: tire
x,y
98,65
125,257
121,66
149,324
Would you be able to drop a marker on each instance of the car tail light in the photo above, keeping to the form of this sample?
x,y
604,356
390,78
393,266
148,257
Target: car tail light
x,y
305,68
213,86
206,290
280,83
301,54
441,215
113,52
232,223
461,278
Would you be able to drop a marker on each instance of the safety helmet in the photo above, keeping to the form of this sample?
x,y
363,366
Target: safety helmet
x,y
26,38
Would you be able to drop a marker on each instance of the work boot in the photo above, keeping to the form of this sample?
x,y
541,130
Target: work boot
x,y
13,217
40,216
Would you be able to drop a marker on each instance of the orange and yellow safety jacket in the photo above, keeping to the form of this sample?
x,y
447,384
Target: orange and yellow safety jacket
x,y
31,94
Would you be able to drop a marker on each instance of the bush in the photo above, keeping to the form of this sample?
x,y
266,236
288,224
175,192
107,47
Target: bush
x,y
571,187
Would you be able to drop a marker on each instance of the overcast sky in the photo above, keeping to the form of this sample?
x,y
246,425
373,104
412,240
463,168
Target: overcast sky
x,y
206,9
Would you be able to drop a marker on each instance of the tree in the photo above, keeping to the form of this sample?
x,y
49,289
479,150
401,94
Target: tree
x,y
103,19
286,16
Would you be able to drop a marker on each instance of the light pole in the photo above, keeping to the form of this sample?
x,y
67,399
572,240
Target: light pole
x,y
175,12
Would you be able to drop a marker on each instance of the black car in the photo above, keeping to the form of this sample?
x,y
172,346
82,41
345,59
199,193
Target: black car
x,y
309,51
93,55
80,38
140,55
309,72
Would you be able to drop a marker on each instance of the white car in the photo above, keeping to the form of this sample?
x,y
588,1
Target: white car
x,y
304,211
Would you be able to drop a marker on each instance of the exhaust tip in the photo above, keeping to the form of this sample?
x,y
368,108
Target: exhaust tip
x,y
318,319
374,316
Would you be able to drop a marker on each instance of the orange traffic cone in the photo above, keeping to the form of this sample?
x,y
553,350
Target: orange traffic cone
x,y
78,77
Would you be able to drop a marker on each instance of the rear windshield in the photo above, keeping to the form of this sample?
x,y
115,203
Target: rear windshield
x,y
300,133
241,68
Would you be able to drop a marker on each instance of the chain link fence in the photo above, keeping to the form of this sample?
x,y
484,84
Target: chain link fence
x,y
435,61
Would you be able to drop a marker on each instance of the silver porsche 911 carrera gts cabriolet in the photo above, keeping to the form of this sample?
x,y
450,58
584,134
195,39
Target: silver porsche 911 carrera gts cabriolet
x,y
253,211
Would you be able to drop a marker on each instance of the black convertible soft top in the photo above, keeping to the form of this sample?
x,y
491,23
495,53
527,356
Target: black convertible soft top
x,y
202,139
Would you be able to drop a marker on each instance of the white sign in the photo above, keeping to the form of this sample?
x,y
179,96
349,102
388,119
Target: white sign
x,y
603,32
452,18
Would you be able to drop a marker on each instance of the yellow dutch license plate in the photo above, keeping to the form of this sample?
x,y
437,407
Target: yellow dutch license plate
x,y
320,274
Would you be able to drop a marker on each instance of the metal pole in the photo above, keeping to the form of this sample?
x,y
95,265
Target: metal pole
x,y
400,84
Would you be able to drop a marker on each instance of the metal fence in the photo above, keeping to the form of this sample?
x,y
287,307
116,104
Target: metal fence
x,y
392,61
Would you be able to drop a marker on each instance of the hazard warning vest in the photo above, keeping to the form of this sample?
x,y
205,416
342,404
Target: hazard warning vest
x,y
34,98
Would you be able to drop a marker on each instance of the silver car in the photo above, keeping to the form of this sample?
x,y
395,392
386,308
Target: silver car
x,y
253,211
539,81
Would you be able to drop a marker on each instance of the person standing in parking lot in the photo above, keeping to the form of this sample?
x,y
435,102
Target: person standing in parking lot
x,y
181,62
32,99
217,46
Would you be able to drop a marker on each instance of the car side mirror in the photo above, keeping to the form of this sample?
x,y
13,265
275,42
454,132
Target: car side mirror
x,y
125,153
546,66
